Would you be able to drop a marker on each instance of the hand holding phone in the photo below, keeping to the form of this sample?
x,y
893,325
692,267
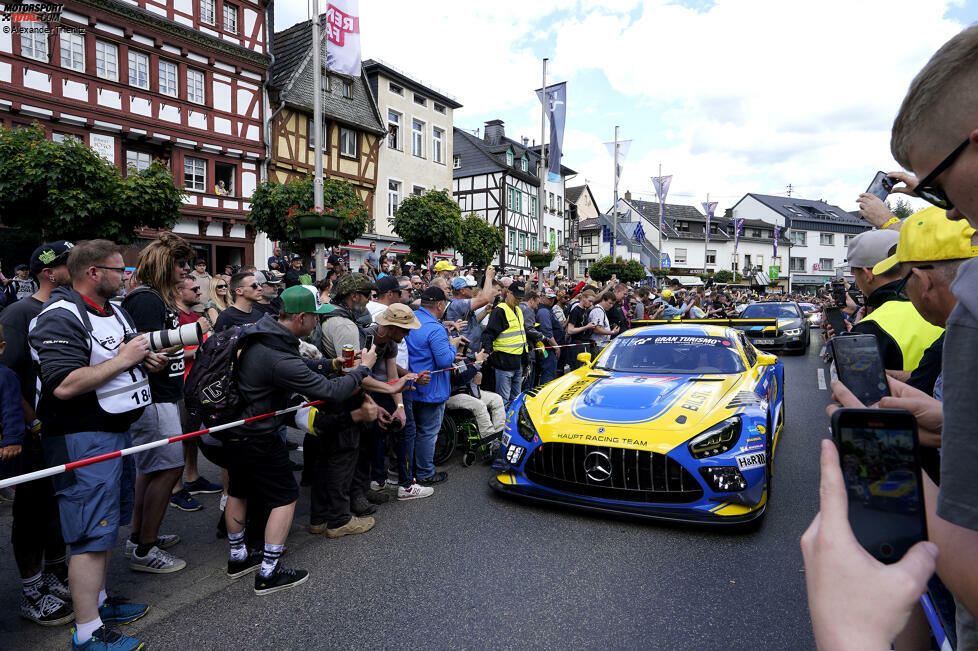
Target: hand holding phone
x,y
881,186
860,368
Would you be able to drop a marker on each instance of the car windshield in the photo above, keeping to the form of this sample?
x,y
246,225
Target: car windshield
x,y
771,311
682,354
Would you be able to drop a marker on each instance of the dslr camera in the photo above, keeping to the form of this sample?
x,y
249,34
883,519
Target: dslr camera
x,y
186,335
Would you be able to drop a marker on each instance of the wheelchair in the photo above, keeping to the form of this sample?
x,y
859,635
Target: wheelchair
x,y
459,431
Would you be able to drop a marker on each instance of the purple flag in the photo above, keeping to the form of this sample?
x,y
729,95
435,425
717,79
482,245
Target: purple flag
x,y
738,227
777,232
709,207
661,184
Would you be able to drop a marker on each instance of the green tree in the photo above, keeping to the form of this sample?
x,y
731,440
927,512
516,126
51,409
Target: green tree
x,y
67,191
274,207
604,268
901,208
723,276
479,241
632,272
428,222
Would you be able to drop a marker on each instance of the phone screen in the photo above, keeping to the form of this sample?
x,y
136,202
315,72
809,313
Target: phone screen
x,y
834,318
369,343
839,294
879,452
858,364
880,186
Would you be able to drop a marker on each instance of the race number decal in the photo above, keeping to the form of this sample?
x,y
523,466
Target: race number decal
x,y
750,461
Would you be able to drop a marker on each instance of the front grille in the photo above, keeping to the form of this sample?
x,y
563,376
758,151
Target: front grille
x,y
636,475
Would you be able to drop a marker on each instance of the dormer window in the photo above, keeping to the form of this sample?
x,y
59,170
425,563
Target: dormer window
x,y
509,157
524,164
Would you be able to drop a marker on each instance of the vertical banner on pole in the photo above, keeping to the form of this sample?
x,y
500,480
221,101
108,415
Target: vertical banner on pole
x,y
343,33
661,184
709,207
777,233
555,107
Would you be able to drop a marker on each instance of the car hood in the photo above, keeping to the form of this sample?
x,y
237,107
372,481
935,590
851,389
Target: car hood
x,y
650,412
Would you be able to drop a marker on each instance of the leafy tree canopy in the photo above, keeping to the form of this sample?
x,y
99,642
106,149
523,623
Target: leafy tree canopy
x,y
428,222
480,241
902,208
68,191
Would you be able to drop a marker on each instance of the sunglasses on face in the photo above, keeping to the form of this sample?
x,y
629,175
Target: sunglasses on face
x,y
220,286
933,194
195,288
901,289
254,285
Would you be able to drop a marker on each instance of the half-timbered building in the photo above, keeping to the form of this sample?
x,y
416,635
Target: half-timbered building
x,y
352,128
176,80
495,178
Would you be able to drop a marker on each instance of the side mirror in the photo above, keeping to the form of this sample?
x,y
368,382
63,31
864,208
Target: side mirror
x,y
584,357
765,359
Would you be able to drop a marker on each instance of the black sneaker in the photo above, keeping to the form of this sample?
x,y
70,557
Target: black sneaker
x,y
360,506
282,578
378,497
436,478
238,569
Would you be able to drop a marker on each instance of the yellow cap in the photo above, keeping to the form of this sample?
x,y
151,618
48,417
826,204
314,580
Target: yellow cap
x,y
666,293
444,265
929,236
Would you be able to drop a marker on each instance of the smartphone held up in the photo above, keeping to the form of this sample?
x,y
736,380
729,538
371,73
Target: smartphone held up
x,y
881,186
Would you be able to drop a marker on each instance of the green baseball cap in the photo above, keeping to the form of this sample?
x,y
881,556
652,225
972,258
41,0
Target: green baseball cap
x,y
302,299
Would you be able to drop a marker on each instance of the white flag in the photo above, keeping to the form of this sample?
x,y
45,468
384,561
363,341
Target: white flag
x,y
343,37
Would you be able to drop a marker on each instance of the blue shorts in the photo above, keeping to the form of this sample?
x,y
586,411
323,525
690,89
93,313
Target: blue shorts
x,y
95,500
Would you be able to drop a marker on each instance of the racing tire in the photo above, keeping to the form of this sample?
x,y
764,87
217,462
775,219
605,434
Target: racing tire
x,y
446,441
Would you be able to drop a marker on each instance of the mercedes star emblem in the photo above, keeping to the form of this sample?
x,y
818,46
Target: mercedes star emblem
x,y
597,466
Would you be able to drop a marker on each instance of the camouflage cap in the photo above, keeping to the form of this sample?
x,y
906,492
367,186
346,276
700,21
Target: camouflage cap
x,y
350,283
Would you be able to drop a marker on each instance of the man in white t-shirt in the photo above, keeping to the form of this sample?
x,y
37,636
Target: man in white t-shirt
x,y
602,333
388,292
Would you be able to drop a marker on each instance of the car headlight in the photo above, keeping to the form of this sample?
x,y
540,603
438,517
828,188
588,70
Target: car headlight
x,y
524,425
724,479
794,332
718,439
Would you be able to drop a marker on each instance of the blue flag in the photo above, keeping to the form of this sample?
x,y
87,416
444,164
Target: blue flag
x,y
556,109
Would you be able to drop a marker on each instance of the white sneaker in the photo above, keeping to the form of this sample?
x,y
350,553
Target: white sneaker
x,y
389,484
157,561
165,541
414,491
376,486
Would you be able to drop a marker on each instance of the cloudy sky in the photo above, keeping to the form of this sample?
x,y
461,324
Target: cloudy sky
x,y
730,96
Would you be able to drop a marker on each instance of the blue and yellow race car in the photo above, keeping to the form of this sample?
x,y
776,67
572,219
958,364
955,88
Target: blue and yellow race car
x,y
674,422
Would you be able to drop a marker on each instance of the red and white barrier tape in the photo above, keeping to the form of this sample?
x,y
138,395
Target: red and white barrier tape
x,y
81,463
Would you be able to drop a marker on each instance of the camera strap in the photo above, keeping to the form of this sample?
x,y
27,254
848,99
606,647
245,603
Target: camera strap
x,y
127,327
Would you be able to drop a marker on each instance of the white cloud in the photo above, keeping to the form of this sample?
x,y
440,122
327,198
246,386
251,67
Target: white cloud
x,y
747,96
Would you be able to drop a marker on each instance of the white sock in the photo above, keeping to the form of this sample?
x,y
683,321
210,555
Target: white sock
x,y
101,598
32,586
84,631
224,500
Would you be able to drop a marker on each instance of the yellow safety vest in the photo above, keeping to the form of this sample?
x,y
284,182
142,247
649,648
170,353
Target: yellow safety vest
x,y
512,340
911,332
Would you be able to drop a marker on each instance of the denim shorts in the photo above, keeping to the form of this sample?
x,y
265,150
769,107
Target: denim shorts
x,y
160,420
94,500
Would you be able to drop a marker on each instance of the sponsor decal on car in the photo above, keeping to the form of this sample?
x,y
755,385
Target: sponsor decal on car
x,y
752,460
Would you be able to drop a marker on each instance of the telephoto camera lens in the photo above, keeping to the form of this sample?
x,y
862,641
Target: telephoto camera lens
x,y
186,335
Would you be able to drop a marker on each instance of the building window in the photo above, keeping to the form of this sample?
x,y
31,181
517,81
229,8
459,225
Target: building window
x,y
463,203
582,265
309,138
348,142
514,199
207,11
195,86
524,164
711,256
34,45
560,205
417,190
682,227
586,240
224,174
533,243
168,78
825,239
393,197
138,160
826,264
138,69
106,60
509,158
394,88
755,233
680,256
798,264
798,238
73,51
760,261
457,161
522,243
550,201
847,238
417,138
230,18
62,137
348,89
437,138
393,129
512,239
534,207
421,101
439,108
194,173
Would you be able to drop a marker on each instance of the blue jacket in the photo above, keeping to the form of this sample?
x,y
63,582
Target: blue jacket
x,y
429,350
11,411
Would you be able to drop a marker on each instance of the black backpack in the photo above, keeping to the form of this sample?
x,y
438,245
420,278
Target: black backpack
x,y
211,388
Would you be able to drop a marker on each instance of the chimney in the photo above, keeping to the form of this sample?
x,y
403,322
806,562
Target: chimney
x,y
525,140
495,132
628,195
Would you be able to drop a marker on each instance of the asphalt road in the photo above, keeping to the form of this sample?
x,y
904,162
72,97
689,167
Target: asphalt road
x,y
466,568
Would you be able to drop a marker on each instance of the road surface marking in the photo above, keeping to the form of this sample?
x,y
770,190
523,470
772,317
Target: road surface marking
x,y
821,379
